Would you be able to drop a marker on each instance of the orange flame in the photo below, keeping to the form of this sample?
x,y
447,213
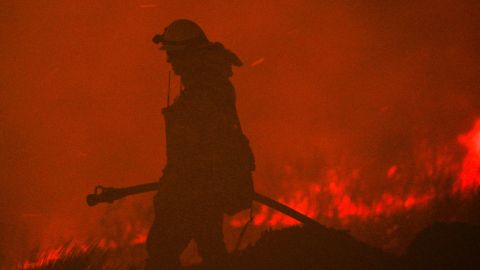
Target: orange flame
x,y
53,255
341,204
470,174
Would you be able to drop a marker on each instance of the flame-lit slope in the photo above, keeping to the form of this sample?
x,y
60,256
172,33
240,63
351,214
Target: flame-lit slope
x,y
444,246
303,248
452,246
293,248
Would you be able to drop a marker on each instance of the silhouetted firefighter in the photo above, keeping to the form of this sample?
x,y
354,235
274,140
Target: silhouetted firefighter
x,y
209,161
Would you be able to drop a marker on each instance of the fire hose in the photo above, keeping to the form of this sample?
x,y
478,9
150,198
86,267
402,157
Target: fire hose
x,y
109,195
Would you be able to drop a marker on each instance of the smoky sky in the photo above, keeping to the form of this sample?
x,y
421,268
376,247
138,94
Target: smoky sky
x,y
324,83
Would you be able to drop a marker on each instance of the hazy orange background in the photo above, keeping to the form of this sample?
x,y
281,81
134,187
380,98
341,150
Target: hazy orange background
x,y
325,83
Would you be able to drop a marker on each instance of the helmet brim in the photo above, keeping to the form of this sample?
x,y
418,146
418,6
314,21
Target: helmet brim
x,y
166,45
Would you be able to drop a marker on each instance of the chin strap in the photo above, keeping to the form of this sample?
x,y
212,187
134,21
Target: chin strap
x,y
168,89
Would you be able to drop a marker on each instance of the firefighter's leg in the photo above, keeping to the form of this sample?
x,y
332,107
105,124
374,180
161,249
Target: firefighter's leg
x,y
209,238
167,238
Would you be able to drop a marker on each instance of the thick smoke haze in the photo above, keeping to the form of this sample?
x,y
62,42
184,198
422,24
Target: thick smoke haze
x,y
363,87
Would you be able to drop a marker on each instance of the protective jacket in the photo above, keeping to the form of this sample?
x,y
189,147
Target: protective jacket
x,y
208,156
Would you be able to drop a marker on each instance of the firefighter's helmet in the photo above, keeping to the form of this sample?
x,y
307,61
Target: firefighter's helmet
x,y
180,34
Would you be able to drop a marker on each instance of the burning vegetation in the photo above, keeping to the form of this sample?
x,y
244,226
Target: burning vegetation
x,y
441,246
339,210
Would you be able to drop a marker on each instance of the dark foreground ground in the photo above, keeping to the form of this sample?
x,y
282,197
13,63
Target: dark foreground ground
x,y
441,246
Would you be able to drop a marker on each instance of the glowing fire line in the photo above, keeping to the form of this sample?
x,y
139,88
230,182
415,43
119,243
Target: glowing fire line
x,y
340,204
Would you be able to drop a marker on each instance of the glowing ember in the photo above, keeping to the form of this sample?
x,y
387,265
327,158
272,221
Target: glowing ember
x,y
258,62
392,171
140,239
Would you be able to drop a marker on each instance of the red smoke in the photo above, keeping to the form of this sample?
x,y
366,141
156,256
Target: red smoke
x,y
353,109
